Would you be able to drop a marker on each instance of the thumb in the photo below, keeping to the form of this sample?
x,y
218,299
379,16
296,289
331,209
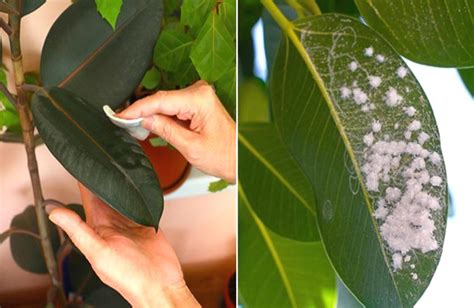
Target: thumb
x,y
80,233
171,131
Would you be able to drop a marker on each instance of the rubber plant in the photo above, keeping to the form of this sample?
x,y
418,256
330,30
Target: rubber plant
x,y
343,194
98,53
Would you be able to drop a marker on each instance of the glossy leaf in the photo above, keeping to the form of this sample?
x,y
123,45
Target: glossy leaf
x,y
225,89
436,32
325,100
195,12
26,250
109,10
172,49
83,54
276,187
28,6
467,76
105,158
278,272
213,52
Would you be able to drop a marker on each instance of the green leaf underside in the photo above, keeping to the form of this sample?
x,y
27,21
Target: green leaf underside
x,y
109,10
227,9
287,204
467,76
102,156
278,272
324,133
172,49
218,185
213,52
26,250
99,64
436,32
30,5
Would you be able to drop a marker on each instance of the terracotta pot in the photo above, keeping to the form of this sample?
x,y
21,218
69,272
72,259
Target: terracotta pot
x,y
229,291
170,166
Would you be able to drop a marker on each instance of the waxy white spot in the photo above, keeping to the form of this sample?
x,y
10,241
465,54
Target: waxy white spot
x,y
375,81
369,51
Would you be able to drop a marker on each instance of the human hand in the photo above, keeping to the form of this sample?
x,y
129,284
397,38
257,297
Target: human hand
x,y
134,260
194,121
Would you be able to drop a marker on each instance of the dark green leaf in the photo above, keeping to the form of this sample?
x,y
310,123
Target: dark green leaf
x,y
151,79
171,6
225,89
83,54
172,49
26,250
338,6
467,76
185,75
326,100
102,156
218,186
436,32
109,10
249,12
278,272
278,190
227,9
81,275
30,6
213,52
195,12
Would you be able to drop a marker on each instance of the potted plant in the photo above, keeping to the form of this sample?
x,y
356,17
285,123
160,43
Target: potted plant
x,y
97,54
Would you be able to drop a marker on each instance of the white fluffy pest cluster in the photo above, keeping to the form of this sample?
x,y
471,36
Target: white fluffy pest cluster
x,y
400,174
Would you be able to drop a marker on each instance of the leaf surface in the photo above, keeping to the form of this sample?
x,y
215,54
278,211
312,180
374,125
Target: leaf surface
x,y
109,10
172,49
105,158
278,272
30,5
83,54
276,187
326,99
436,32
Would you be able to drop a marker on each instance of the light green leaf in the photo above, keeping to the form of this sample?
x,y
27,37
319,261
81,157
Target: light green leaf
x,y
9,119
99,64
26,250
195,12
276,187
225,89
213,52
227,9
278,272
217,186
467,76
103,157
172,49
109,10
254,103
339,94
157,142
436,32
151,79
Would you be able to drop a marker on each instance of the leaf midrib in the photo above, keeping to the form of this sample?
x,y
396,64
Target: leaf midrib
x,y
112,160
101,47
302,51
271,247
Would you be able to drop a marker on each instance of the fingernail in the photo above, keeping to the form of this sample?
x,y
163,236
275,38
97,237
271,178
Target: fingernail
x,y
53,218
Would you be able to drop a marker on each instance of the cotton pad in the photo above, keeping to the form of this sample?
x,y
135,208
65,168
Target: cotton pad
x,y
132,126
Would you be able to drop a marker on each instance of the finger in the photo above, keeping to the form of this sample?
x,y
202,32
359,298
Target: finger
x,y
80,233
171,131
182,103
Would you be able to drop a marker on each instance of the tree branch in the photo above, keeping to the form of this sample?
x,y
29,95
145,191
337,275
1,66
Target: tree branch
x,y
28,137
5,27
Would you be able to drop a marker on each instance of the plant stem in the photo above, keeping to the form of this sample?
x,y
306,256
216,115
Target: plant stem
x,y
21,231
311,6
297,7
28,138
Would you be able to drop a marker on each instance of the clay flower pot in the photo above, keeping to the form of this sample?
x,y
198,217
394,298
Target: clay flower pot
x,y
170,166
